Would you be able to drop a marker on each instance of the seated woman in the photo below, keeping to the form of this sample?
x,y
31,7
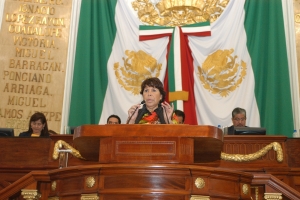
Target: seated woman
x,y
153,109
37,126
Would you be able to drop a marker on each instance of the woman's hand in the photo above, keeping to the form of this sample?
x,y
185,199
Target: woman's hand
x,y
132,113
168,110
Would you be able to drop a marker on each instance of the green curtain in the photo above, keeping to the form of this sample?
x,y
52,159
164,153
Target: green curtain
x,y
267,47
96,34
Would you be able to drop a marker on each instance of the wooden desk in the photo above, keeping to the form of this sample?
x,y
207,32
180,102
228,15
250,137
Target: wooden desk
x,y
149,162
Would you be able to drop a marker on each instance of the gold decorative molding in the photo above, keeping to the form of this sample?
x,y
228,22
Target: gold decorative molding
x,y
89,197
62,144
53,185
90,181
272,196
178,12
53,198
297,18
30,194
249,157
245,188
199,197
199,183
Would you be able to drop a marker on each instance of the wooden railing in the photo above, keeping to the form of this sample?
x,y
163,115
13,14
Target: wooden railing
x,y
166,156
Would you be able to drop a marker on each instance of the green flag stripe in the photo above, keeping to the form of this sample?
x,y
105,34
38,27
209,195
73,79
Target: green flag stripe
x,y
266,44
96,34
143,28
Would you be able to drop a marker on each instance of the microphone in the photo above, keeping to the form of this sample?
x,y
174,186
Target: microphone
x,y
164,110
128,120
166,116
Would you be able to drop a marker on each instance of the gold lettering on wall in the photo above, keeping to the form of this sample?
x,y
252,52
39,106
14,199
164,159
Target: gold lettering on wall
x,y
33,48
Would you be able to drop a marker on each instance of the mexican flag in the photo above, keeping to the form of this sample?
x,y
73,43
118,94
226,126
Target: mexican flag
x,y
242,64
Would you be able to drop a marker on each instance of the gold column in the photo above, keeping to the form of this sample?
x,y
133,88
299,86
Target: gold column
x,y
30,194
256,192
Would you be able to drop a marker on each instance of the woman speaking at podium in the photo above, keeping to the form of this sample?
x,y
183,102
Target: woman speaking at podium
x,y
37,126
153,109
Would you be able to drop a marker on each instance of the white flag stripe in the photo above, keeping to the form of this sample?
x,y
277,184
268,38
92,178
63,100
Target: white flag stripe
x,y
155,32
177,66
118,99
195,29
227,33
211,107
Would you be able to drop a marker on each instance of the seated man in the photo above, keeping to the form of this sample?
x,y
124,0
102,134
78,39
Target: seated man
x,y
113,119
238,119
180,116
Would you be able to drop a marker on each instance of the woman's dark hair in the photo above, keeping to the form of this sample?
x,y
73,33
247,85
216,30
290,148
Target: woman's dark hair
x,y
114,116
156,83
35,117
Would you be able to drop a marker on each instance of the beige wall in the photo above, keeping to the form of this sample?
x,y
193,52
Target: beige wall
x,y
34,40
297,30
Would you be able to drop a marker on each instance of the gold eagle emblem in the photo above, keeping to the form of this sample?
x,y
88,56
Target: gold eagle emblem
x,y
137,66
221,73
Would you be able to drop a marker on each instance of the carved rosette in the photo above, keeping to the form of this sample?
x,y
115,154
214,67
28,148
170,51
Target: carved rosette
x,y
273,196
245,188
53,185
90,181
199,183
89,197
30,194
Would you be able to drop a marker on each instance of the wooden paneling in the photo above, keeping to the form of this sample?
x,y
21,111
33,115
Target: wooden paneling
x,y
143,143
151,181
159,163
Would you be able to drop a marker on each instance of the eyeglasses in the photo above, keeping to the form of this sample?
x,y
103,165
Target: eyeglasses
x,y
239,119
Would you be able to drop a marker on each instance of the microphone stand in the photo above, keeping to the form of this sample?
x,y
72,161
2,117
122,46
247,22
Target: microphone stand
x,y
166,115
129,118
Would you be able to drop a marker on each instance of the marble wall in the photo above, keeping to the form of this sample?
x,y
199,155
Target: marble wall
x,y
297,32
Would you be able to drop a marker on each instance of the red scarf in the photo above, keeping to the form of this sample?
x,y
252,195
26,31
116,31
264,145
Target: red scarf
x,y
149,118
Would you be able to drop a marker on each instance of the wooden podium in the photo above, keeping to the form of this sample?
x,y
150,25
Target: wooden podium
x,y
183,144
161,162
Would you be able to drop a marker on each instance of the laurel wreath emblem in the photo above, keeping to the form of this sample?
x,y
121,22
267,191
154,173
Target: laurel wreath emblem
x,y
137,66
221,73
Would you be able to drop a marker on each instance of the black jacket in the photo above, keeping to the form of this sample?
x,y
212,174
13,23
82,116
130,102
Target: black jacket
x,y
159,111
